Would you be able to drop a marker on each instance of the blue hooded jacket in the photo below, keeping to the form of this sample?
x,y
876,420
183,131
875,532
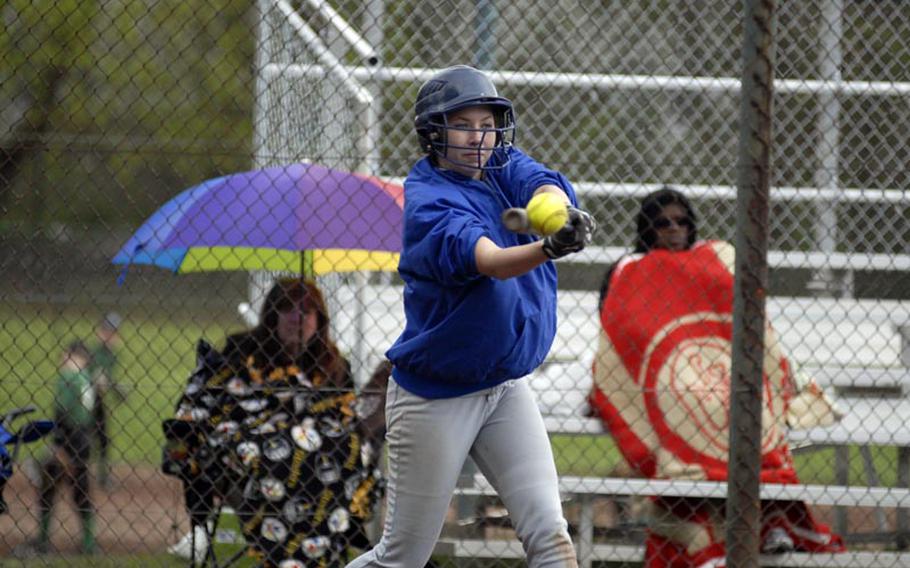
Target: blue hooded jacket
x,y
465,331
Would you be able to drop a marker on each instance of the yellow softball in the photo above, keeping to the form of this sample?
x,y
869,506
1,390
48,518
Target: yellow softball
x,y
547,213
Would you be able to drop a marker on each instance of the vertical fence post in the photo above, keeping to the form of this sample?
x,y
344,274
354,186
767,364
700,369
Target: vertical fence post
x,y
259,281
485,34
828,148
753,180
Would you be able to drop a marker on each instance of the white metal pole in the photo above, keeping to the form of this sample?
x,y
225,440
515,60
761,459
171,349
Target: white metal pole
x,y
329,63
701,85
368,148
258,281
366,49
827,149
375,36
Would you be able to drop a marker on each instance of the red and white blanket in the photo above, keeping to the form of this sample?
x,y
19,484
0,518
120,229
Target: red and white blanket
x,y
662,387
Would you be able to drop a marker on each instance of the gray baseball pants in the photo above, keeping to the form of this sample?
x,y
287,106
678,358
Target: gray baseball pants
x,y
428,442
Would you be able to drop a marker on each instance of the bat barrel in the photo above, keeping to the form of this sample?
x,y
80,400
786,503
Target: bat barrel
x,y
516,220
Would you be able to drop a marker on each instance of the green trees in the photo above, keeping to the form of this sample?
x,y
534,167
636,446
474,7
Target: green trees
x,y
112,106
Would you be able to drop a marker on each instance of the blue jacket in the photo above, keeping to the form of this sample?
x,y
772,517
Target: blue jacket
x,y
465,331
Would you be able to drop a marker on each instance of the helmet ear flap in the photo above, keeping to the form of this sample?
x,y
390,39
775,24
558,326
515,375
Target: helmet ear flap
x,y
505,122
436,138
429,137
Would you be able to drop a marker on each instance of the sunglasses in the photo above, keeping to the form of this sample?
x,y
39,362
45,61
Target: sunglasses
x,y
665,222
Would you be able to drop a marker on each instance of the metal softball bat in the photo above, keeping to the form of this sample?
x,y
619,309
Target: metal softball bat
x,y
516,220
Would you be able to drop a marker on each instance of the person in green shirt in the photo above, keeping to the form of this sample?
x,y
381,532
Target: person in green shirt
x,y
74,402
102,370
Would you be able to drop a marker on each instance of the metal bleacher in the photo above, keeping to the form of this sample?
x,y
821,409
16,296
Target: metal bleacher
x,y
853,347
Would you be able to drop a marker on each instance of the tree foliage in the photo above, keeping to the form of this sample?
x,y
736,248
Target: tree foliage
x,y
113,106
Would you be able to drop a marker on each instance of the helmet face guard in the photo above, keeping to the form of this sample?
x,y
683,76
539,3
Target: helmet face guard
x,y
439,145
454,89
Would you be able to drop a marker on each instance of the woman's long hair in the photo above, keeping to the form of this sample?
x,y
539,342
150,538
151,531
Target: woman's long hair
x,y
320,352
651,206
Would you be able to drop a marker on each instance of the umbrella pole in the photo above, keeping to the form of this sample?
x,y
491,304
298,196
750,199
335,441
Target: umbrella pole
x,y
303,276
359,355
307,271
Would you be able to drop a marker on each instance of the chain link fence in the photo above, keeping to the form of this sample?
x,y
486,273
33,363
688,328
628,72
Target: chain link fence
x,y
209,138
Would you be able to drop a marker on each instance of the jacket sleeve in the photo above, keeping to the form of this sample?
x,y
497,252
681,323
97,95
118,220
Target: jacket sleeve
x,y
525,175
439,240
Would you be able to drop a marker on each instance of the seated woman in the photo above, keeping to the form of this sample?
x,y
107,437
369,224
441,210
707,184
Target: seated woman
x,y
662,385
270,427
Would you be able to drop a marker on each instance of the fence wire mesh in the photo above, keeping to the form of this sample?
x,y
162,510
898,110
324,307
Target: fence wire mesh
x,y
165,166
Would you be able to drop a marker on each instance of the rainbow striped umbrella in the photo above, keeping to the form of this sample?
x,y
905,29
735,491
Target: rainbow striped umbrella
x,y
301,218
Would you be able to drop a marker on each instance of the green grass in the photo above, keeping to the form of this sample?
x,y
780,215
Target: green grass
x,y
99,561
585,455
818,466
599,456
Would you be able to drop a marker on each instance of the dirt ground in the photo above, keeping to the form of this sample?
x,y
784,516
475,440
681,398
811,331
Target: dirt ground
x,y
142,512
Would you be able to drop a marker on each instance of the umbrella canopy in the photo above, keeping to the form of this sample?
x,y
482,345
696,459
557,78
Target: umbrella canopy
x,y
301,218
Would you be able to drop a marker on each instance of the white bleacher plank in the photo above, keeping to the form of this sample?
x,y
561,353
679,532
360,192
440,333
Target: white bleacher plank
x,y
849,559
841,378
584,303
844,343
813,260
839,309
833,495
561,389
573,425
867,421
813,331
467,548
383,320
561,386
840,331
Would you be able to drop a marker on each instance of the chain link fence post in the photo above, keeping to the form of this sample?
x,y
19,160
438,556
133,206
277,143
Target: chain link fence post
x,y
751,284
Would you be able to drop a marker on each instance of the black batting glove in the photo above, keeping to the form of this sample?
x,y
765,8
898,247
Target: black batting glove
x,y
575,235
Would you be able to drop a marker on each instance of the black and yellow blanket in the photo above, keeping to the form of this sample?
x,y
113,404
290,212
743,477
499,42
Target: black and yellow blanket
x,y
286,454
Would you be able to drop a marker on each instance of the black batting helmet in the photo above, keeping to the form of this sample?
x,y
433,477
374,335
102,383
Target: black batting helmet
x,y
453,89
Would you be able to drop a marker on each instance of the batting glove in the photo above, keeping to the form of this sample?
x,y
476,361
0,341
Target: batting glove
x,y
573,237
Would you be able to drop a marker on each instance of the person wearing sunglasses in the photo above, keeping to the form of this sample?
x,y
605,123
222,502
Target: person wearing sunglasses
x,y
662,386
665,220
